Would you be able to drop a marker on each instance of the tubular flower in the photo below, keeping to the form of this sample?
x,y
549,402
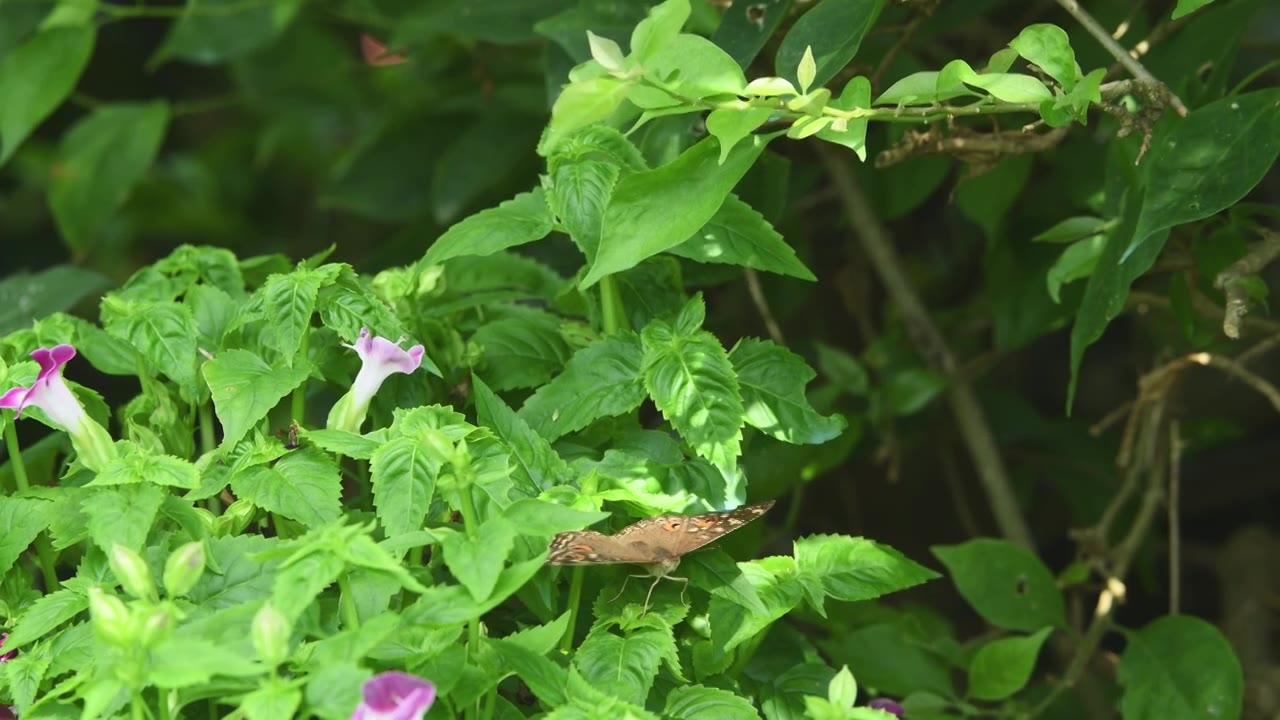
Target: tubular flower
x,y
886,705
395,696
380,358
6,657
50,393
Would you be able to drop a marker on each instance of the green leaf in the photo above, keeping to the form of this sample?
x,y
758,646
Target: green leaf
x,y
601,380
1208,161
691,380
909,390
1077,261
658,29
1186,7
785,698
99,161
834,29
122,515
695,68
843,689
1003,666
534,517
21,520
135,465
537,466
731,125
404,472
184,661
164,332
522,351
1179,667
585,102
1073,229
508,22
581,186
856,95
1048,47
452,605
477,561
746,27
624,667
276,698
241,577
25,297
290,301
245,389
692,702
41,617
341,442
654,210
214,31
36,77
517,221
852,569
1006,583
738,235
894,657
545,678
304,485
772,380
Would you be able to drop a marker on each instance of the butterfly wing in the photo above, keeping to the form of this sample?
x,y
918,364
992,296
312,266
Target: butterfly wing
x,y
677,535
587,547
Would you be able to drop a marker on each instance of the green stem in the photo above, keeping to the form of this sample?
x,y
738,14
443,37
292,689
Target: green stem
x,y
473,646
163,696
44,549
575,602
347,604
611,308
298,402
136,707
746,651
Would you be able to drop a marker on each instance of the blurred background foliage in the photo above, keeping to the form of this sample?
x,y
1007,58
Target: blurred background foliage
x,y
258,126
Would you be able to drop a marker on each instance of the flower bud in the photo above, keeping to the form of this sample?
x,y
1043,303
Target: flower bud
x,y
183,569
155,625
110,617
236,518
270,633
132,572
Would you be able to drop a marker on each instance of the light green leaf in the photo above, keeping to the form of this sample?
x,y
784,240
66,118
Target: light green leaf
x,y
585,102
852,569
624,667
693,702
691,380
21,520
537,466
303,485
1179,668
1073,229
36,77
135,465
1077,261
580,190
41,617
184,661
843,689
290,301
601,380
452,605
404,472
654,210
122,515
1003,666
517,221
477,561
522,351
1186,7
772,381
738,235
1006,583
1048,47
534,517
99,161
545,678
658,29
275,699
853,135
245,389
731,125
694,67
833,31
164,332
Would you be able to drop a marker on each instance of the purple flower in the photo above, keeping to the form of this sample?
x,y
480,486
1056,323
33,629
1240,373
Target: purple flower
x,y
50,393
886,705
380,358
395,696
6,657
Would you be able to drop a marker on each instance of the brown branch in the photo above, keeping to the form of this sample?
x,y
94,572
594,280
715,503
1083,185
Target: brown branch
x,y
762,307
1228,281
929,342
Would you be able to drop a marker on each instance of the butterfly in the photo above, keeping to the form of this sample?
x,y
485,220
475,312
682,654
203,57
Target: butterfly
x,y
657,543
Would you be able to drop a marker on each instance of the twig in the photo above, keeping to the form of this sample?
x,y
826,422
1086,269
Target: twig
x,y
1261,348
1228,281
925,12
1129,62
1175,528
932,347
1232,367
1160,32
762,306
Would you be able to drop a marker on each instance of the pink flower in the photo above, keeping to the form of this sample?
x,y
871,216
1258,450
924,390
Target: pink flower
x,y
94,446
395,696
6,657
49,392
380,358
886,705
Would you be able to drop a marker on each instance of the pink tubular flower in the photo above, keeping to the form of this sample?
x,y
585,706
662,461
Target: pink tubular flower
x,y
395,696
380,358
6,657
50,393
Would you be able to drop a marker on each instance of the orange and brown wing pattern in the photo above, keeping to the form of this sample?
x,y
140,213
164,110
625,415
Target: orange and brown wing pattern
x,y
652,539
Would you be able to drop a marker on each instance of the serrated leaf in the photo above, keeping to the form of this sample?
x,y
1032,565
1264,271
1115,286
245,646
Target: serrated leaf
x,y
538,467
581,187
601,380
404,473
478,561
693,702
21,520
164,332
623,667
693,383
853,569
772,381
122,515
303,485
135,465
45,614
244,389
290,300
522,351
545,678
183,661
452,605
1006,583
738,235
